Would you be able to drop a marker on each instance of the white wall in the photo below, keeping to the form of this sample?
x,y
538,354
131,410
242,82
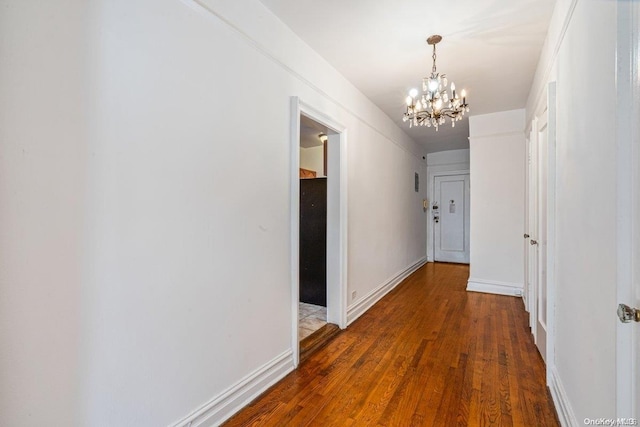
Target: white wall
x,y
144,258
497,147
312,158
438,163
575,56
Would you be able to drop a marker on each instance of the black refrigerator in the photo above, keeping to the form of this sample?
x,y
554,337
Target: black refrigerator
x,y
313,241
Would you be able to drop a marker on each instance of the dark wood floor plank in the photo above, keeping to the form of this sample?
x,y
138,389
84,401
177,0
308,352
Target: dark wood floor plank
x,y
429,353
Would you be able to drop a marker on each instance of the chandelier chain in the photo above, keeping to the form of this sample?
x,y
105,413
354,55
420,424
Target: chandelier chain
x,y
433,69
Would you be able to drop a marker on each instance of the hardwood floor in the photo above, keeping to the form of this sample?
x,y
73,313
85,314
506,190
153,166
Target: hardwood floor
x,y
317,340
428,354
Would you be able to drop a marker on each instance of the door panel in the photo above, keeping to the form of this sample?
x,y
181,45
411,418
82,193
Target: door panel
x,y
532,230
451,228
313,241
541,289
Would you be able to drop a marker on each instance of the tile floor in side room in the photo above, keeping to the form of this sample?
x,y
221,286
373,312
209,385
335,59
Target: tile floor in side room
x,y
310,319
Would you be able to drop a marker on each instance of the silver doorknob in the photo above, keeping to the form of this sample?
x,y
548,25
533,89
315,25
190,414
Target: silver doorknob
x,y
533,242
627,314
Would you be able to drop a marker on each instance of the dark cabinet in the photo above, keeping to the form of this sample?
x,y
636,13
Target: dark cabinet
x,y
313,241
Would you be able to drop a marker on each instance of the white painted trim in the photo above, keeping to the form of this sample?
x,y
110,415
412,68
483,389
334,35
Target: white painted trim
x,y
446,164
204,9
494,287
230,401
294,221
497,135
336,242
544,78
362,305
566,416
532,281
551,227
526,247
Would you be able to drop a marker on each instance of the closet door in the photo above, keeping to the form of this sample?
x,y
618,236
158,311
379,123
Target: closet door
x,y
313,241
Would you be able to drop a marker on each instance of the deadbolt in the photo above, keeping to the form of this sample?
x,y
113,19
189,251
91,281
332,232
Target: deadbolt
x,y
533,242
627,314
526,236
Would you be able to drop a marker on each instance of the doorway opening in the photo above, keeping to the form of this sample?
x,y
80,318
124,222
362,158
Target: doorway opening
x,y
318,221
312,308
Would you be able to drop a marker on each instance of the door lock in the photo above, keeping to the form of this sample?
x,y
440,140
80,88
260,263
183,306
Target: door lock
x,y
436,219
526,236
628,314
533,242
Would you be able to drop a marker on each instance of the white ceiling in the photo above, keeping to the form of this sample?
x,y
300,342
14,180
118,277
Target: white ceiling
x,y
310,131
489,47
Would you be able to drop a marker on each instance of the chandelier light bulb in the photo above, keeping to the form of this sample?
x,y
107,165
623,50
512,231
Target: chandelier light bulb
x,y
409,101
433,85
413,92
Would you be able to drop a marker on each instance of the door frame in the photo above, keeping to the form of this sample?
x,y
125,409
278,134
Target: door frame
x,y
531,221
431,193
336,218
548,108
627,200
552,130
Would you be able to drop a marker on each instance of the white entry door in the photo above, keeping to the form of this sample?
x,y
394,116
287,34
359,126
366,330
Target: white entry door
x,y
451,218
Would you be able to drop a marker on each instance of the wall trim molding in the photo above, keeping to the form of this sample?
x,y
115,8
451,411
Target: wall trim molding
x,y
498,135
202,7
230,401
494,287
544,77
434,165
361,306
564,410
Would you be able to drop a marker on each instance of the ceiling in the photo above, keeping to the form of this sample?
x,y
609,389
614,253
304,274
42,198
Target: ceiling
x,y
489,47
310,131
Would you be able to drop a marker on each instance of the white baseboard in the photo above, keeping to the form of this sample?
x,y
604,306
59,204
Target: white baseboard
x,y
493,287
360,307
227,403
563,407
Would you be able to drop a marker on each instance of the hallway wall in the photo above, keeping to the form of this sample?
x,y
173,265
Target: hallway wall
x,y
497,147
576,56
145,203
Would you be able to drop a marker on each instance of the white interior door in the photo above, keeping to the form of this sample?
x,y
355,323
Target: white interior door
x,y
451,218
628,210
541,241
532,230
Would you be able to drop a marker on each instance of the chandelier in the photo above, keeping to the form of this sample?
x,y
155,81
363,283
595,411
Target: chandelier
x,y
435,104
